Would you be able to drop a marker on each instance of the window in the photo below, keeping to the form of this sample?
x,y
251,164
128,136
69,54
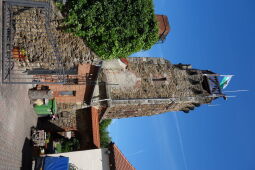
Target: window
x,y
159,79
72,81
67,93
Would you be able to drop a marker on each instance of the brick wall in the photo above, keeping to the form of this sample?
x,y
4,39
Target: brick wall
x,y
82,88
78,89
164,27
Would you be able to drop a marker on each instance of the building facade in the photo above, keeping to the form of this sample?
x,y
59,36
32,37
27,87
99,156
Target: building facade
x,y
79,82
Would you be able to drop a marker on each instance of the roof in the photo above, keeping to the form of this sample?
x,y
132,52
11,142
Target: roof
x,y
164,27
117,160
95,126
124,60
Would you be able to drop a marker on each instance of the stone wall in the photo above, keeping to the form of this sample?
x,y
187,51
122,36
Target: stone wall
x,y
132,109
66,121
125,111
32,38
155,79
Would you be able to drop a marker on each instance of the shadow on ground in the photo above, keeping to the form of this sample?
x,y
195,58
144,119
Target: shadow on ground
x,y
27,155
44,123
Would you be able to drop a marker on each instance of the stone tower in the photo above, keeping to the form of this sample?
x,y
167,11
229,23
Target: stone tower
x,y
143,86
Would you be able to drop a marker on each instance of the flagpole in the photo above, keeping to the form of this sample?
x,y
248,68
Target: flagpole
x,y
230,96
234,91
213,105
218,75
211,74
227,75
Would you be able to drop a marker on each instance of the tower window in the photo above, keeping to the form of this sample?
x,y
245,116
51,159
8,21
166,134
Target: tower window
x,y
159,79
67,93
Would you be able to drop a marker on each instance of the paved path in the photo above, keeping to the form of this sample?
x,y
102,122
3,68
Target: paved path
x,y
16,118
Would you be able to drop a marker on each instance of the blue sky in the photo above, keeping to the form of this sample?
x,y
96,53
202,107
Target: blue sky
x,y
209,34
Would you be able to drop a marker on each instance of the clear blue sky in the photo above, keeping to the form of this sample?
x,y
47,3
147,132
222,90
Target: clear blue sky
x,y
209,34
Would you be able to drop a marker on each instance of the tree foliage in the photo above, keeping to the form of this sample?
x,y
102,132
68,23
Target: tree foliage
x,y
105,139
69,145
113,28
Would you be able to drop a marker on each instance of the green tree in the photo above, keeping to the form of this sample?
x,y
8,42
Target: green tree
x,y
69,145
113,28
105,139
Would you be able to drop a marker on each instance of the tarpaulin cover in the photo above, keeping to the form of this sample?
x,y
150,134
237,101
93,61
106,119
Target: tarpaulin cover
x,y
56,163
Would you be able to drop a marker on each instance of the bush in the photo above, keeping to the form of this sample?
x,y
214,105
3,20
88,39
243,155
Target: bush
x,y
113,28
105,139
69,145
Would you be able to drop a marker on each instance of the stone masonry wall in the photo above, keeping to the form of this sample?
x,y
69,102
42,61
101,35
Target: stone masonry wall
x,y
66,121
177,82
31,37
136,110
125,111
157,79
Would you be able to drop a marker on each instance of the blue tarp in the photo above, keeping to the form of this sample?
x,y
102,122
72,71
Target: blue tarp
x,y
56,163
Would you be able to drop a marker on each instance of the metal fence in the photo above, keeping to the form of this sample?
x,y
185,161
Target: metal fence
x,y
30,53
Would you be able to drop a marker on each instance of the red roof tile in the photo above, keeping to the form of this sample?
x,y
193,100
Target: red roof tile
x,y
118,160
124,60
95,126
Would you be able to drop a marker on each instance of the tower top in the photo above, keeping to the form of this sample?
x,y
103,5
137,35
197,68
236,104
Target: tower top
x,y
164,27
